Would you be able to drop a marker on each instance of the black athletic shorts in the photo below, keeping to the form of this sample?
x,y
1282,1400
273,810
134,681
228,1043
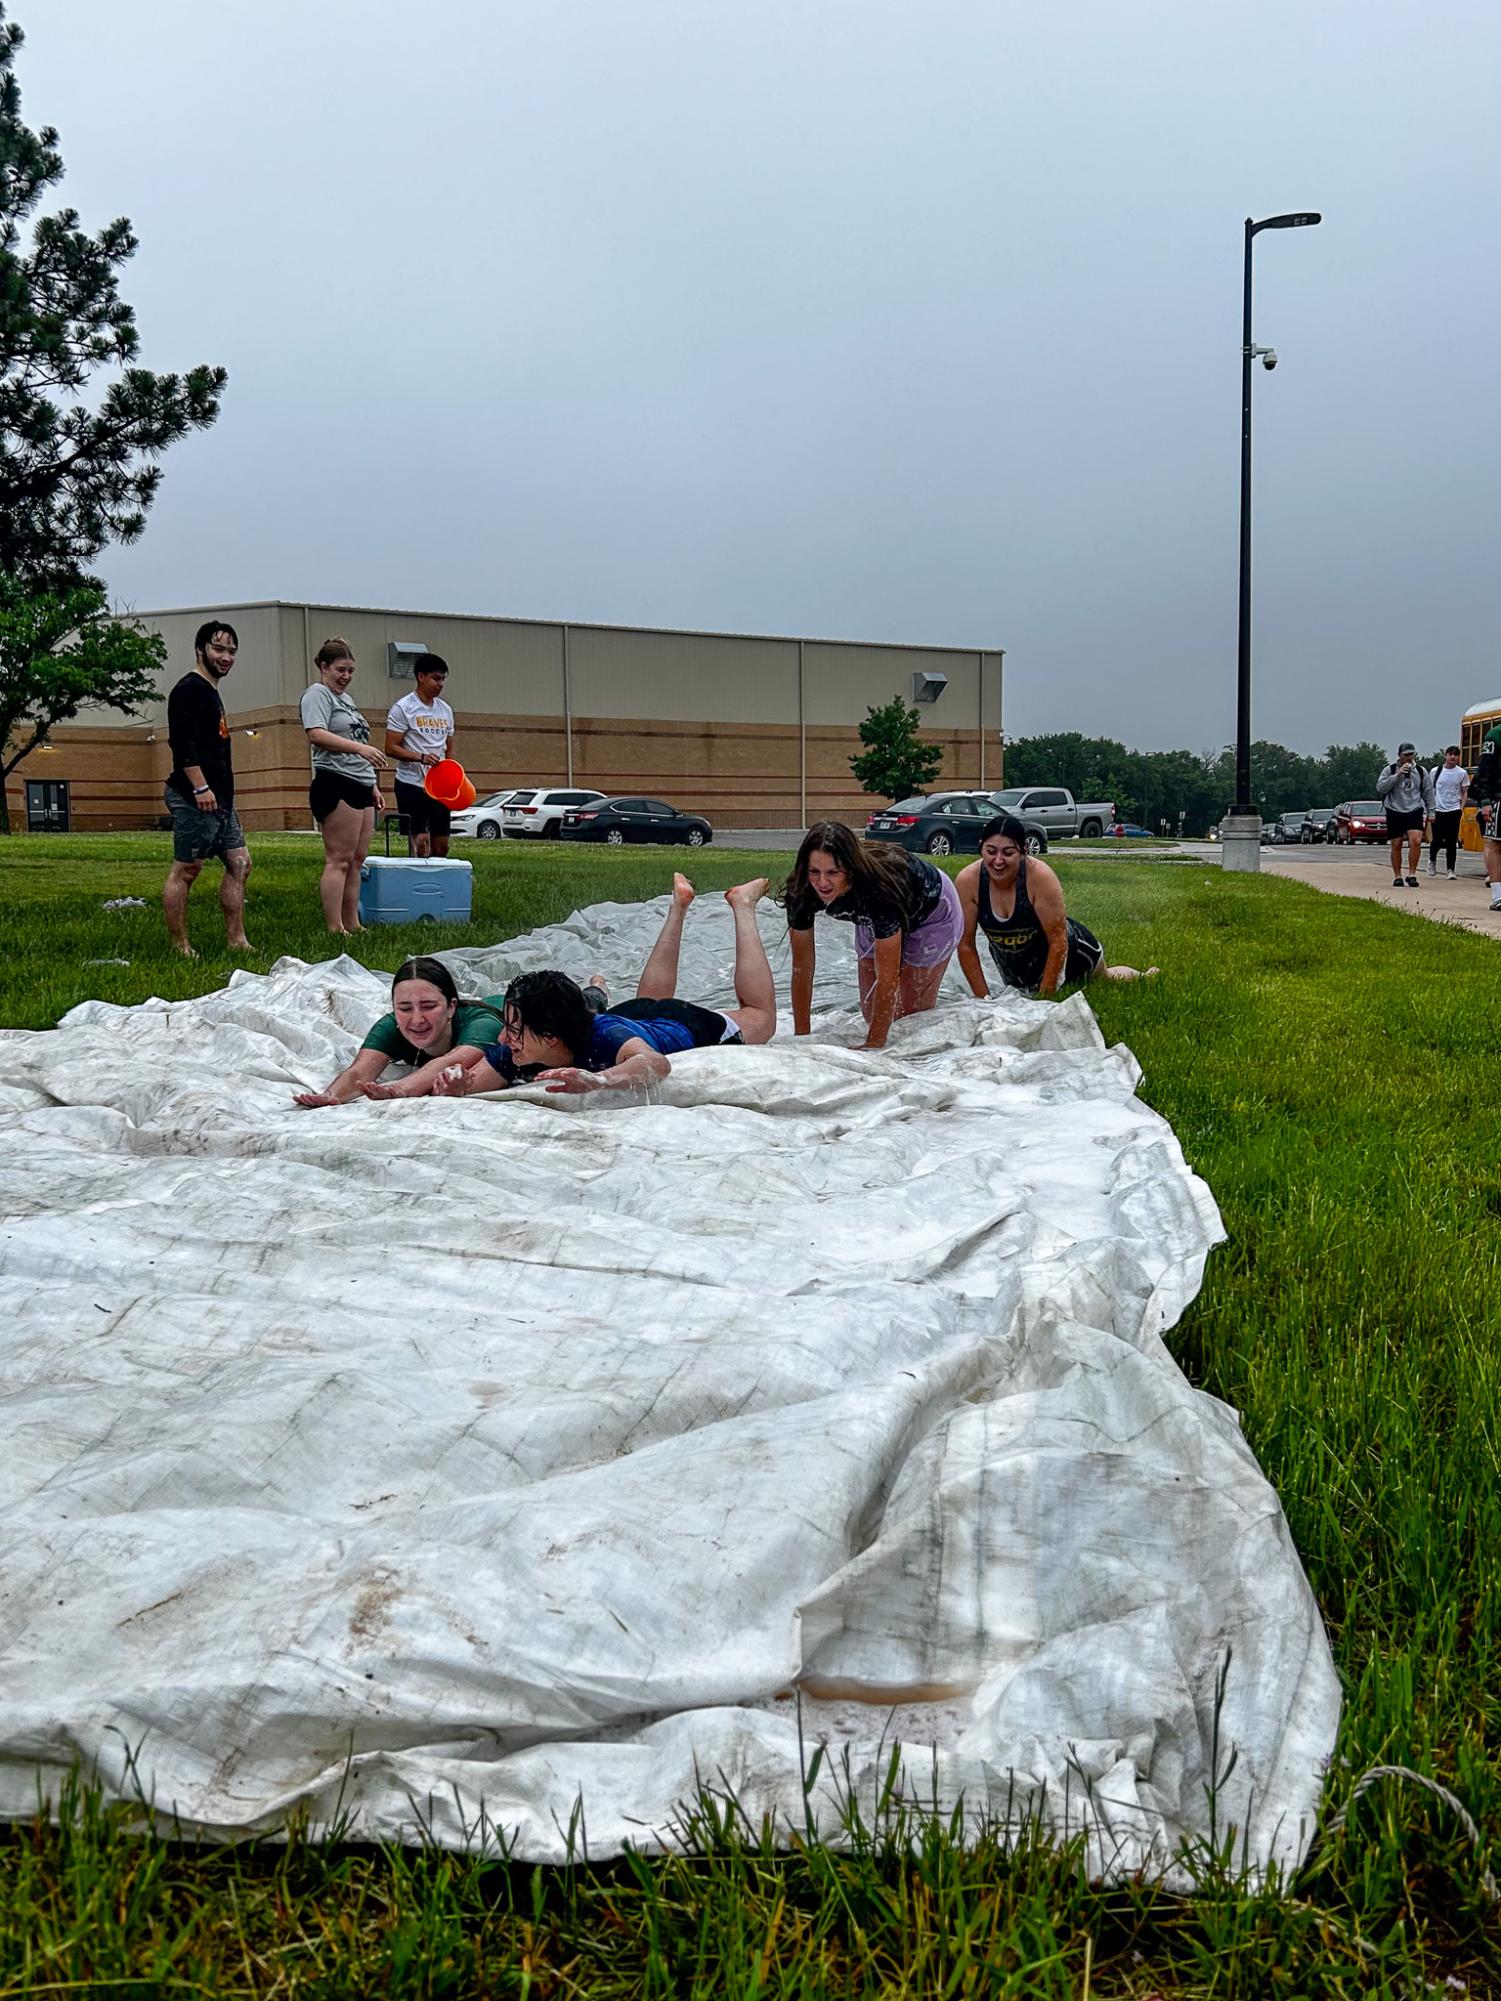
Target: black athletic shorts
x,y
708,1028
1398,824
423,813
332,788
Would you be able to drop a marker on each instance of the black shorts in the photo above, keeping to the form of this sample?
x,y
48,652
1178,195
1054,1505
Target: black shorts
x,y
198,836
423,813
332,788
1398,824
708,1028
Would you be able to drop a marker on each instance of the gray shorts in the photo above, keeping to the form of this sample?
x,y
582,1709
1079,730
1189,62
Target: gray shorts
x,y
198,836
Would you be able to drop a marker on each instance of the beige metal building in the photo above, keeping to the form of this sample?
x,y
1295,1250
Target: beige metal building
x,y
751,731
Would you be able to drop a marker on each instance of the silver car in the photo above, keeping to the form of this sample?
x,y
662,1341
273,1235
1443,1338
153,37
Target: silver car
x,y
483,819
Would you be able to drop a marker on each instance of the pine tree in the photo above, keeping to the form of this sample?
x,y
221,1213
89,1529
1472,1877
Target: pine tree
x,y
75,473
896,760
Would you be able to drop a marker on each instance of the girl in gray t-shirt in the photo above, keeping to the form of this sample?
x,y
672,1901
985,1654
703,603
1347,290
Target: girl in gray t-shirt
x,y
327,708
344,797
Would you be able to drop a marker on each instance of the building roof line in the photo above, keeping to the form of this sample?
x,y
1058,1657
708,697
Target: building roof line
x,y
229,605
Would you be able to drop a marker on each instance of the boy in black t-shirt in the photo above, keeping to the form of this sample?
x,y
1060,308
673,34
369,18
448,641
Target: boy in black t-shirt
x,y
200,791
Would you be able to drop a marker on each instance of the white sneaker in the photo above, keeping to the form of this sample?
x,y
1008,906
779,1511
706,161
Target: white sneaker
x,y
1452,876
1431,869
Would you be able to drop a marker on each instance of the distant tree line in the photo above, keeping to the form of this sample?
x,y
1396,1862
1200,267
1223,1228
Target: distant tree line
x,y
1150,786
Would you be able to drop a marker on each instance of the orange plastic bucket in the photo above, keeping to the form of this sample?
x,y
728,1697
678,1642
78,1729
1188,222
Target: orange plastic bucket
x,y
448,783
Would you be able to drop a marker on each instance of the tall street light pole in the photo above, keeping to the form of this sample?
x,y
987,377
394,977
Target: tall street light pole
x,y
1243,842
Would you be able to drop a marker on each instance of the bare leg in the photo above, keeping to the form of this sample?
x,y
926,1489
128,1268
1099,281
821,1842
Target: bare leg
x,y
440,847
1414,848
175,892
919,988
341,834
351,911
1122,973
232,898
422,846
755,990
1396,848
659,976
1493,871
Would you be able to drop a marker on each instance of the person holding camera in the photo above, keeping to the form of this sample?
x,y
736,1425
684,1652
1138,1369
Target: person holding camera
x,y
1408,792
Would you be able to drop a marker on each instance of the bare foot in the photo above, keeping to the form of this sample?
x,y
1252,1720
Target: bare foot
x,y
240,945
746,895
181,945
683,891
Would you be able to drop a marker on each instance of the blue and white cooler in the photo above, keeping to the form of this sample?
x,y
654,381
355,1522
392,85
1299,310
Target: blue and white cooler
x,y
397,889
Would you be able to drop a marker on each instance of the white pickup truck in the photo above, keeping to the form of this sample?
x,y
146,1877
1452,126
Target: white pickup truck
x,y
1058,810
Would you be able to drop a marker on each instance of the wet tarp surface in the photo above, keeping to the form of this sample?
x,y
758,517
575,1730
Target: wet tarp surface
x,y
449,1464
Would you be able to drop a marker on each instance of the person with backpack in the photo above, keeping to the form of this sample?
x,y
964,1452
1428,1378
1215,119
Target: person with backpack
x,y
1408,792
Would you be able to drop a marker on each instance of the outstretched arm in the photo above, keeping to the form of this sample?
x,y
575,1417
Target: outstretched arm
x,y
455,1080
804,955
1046,893
880,1001
968,885
365,1068
637,1063
424,1080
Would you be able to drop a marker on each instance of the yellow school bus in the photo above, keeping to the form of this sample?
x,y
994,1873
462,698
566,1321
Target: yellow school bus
x,y
1472,728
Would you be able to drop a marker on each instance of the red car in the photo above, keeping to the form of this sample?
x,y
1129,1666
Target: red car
x,y
1358,820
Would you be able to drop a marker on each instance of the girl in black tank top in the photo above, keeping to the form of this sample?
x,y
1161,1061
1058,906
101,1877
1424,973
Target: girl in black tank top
x,y
1019,945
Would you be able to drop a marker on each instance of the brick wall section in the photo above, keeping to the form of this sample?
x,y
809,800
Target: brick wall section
x,y
736,774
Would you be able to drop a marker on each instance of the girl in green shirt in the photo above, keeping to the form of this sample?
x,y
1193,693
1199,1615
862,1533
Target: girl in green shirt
x,y
429,1027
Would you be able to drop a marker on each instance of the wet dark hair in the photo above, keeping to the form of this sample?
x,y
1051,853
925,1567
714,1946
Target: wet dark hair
x,y
876,873
210,629
1008,827
552,1004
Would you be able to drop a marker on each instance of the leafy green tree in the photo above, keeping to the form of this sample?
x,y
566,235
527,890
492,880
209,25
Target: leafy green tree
x,y
1092,767
60,652
895,761
77,469
1351,771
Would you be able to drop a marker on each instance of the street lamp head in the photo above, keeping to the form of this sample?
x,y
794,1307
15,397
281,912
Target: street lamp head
x,y
1304,219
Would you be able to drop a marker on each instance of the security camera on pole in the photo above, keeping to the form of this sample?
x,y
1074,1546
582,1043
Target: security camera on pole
x,y
1241,829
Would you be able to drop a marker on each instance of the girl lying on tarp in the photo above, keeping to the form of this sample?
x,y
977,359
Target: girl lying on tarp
x,y
430,1026
558,1033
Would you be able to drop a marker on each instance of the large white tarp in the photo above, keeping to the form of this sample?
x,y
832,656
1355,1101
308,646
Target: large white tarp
x,y
448,1464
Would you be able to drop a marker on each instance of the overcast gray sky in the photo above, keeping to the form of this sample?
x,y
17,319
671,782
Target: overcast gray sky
x,y
830,317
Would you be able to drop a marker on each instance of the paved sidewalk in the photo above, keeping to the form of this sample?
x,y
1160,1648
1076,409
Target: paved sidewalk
x,y
1465,902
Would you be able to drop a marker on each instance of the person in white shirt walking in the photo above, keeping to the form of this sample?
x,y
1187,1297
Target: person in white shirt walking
x,y
1451,788
419,733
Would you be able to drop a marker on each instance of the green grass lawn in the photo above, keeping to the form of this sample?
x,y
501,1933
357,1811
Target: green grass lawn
x,y
1329,1066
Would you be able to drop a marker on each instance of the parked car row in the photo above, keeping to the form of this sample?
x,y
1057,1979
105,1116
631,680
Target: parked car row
x,y
573,814
949,823
1355,820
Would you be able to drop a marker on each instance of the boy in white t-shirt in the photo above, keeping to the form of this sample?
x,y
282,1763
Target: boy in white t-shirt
x,y
419,733
1451,785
